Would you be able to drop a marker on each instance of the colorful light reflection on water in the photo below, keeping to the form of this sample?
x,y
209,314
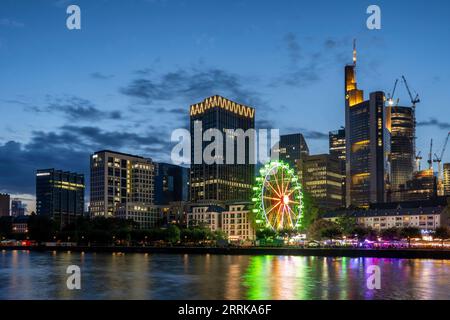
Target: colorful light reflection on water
x,y
33,275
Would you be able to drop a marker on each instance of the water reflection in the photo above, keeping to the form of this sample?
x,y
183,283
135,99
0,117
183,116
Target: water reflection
x,y
35,275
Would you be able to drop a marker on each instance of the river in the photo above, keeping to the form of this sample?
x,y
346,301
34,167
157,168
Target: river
x,y
42,275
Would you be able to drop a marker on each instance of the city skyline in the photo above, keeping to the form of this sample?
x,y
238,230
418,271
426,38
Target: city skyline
x,y
82,98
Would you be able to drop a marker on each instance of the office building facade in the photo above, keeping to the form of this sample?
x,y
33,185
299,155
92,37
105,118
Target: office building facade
x,y
221,181
237,223
426,218
171,183
146,216
402,154
5,200
18,207
446,182
292,148
322,180
367,135
205,216
60,195
118,179
422,186
337,149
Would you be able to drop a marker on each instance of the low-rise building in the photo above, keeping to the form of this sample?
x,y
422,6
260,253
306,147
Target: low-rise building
x,y
20,224
234,220
426,218
205,216
145,215
237,223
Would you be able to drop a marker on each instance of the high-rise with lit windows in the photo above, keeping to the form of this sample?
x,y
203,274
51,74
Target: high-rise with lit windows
x,y
5,200
60,195
402,149
446,181
322,180
367,134
338,150
221,181
119,179
292,148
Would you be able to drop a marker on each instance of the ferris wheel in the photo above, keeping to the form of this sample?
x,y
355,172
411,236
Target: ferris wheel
x,y
278,197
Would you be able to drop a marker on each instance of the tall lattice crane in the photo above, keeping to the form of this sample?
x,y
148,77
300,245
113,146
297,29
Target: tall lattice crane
x,y
391,95
414,100
438,160
430,156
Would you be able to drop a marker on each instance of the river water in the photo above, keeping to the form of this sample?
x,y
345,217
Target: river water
x,y
42,275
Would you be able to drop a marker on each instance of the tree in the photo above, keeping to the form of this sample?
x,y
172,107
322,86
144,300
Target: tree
x,y
288,233
324,229
41,228
220,235
390,234
442,233
266,233
5,227
347,224
364,233
173,234
310,211
410,233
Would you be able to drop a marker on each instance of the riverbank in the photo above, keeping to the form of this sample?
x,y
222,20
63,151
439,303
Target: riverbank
x,y
319,252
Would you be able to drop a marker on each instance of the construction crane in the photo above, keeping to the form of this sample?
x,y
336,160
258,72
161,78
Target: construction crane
x,y
438,160
391,95
414,100
418,159
430,156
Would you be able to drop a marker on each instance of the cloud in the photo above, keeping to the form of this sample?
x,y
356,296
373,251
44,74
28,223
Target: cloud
x,y
293,47
69,148
310,134
6,22
101,76
432,122
315,135
305,66
76,109
191,85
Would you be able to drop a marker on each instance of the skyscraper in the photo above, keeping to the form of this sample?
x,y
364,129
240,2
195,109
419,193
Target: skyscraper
x,y
18,207
367,143
338,150
223,181
422,186
119,179
402,149
171,183
292,148
59,195
446,181
322,179
4,205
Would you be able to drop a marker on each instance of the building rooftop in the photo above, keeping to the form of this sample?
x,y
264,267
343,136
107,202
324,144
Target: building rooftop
x,y
384,212
120,153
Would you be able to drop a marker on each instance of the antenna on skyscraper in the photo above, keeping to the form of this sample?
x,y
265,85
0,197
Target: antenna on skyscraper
x,y
354,52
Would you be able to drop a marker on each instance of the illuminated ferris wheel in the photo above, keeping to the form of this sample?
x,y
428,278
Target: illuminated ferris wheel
x,y
278,197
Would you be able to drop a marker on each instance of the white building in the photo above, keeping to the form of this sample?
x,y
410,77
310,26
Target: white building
x,y
428,218
146,216
205,216
118,179
235,221
237,224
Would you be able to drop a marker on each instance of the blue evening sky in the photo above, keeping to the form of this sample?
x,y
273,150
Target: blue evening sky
x,y
126,79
